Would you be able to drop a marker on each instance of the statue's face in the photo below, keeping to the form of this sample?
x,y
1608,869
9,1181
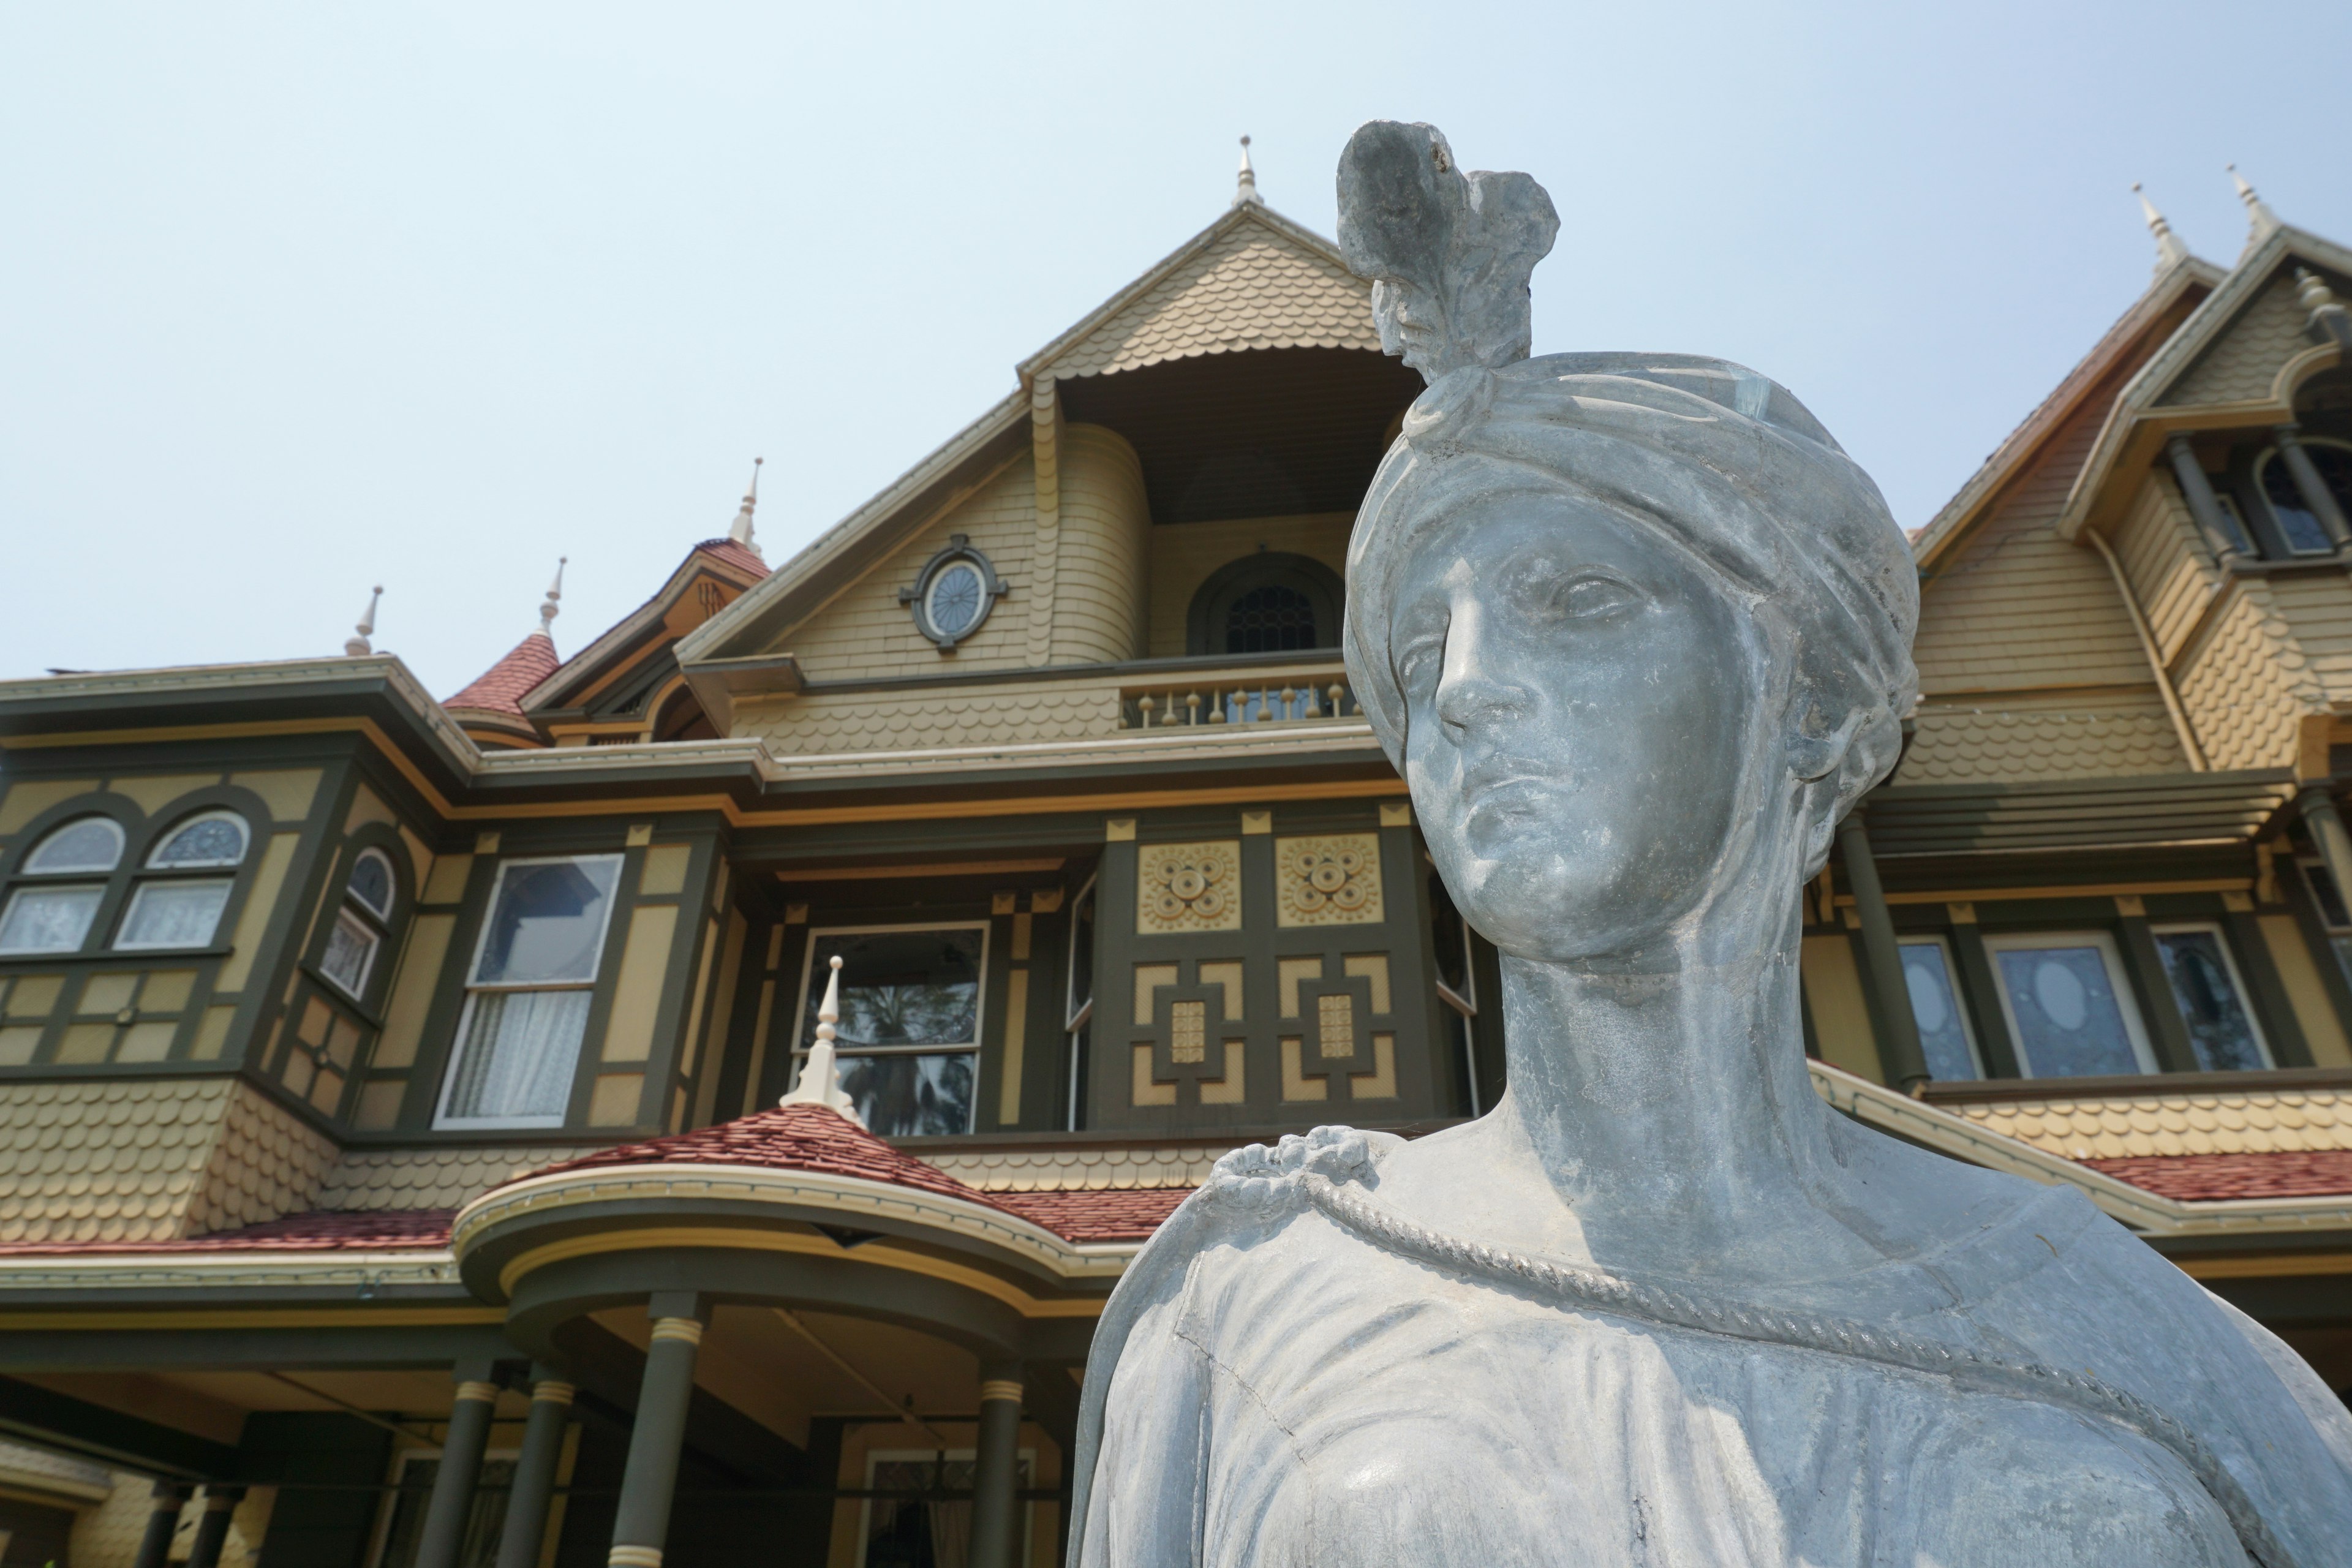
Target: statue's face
x,y
1580,695
1412,323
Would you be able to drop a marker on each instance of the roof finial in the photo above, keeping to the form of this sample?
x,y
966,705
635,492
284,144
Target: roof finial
x,y
553,606
2169,252
1245,183
357,647
2263,220
2327,317
742,531
818,1084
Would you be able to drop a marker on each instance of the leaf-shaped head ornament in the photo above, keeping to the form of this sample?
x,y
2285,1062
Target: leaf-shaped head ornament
x,y
1448,253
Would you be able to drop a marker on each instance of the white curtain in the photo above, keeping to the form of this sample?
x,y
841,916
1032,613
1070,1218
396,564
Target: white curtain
x,y
48,920
520,1049
174,914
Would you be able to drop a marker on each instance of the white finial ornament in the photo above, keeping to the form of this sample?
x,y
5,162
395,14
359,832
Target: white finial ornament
x,y
741,530
1245,183
358,646
553,606
2258,211
2169,252
819,1084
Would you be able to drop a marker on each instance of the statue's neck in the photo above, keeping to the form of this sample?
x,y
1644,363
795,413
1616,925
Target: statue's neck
x,y
1667,1102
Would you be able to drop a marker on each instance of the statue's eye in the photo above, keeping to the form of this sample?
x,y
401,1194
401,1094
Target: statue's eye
x,y
1587,598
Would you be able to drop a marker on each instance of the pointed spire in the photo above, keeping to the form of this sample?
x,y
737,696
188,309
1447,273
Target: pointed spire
x,y
2258,211
1245,183
358,646
2169,252
741,530
553,606
819,1084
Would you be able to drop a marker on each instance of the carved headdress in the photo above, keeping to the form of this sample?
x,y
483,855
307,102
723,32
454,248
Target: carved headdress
x,y
1727,462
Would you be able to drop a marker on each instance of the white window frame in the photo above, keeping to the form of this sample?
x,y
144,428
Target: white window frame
x,y
980,1001
371,922
2221,935
57,883
218,814
138,891
1074,1016
1952,982
442,1119
2118,982
113,864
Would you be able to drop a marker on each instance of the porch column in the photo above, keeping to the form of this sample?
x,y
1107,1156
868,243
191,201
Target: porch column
x,y
534,1471
2326,824
451,1504
212,1531
641,1523
2316,493
1899,1056
162,1522
2203,505
996,1471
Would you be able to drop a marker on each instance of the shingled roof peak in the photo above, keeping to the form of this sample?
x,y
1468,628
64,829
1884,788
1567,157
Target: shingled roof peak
x,y
799,1136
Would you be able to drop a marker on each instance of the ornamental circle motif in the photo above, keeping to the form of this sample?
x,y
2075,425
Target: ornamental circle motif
x,y
1188,887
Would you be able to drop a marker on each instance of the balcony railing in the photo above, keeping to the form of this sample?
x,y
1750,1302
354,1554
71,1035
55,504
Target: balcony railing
x,y
1292,697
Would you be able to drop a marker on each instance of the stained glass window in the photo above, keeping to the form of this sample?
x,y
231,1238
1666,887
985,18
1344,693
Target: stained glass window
x,y
1270,619
87,844
2069,1007
1944,1036
2221,1028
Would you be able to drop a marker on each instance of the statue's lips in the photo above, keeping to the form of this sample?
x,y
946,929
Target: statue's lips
x,y
1508,795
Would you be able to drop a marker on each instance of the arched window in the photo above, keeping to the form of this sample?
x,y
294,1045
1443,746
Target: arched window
x,y
1272,618
171,907
1265,603
362,926
45,916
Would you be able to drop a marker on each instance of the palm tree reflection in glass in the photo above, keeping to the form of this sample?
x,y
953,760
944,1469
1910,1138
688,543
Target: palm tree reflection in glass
x,y
901,991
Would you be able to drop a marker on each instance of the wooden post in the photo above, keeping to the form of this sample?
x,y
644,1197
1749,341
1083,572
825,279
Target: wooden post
x,y
641,1522
1899,1056
534,1472
451,1504
212,1531
996,1473
162,1522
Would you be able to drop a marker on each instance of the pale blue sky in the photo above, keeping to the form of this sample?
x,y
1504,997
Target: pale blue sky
x,y
295,300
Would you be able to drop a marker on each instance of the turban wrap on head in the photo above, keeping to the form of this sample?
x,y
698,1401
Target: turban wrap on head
x,y
1719,458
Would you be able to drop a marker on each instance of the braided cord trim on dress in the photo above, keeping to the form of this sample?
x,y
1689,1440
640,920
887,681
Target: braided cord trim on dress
x,y
1626,1297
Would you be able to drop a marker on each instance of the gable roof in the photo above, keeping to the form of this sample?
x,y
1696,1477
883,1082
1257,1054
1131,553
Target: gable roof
x,y
1252,280
2147,411
2167,295
720,558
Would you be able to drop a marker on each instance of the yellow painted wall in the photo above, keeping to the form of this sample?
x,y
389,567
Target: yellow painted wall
x,y
1184,555
1101,561
1840,1016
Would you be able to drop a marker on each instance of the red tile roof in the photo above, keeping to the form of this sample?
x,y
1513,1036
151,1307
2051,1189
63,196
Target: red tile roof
x,y
500,688
734,554
320,1231
2208,1178
789,1138
1131,1214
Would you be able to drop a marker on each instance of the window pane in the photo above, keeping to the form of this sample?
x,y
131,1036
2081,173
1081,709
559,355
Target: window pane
x,y
908,1096
1935,1007
2304,533
371,883
48,920
955,598
92,844
2219,1027
549,922
1271,619
520,1049
174,914
2069,1024
912,987
350,950
2334,465
214,840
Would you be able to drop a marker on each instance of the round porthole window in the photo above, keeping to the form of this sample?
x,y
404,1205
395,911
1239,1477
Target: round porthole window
x,y
955,599
951,597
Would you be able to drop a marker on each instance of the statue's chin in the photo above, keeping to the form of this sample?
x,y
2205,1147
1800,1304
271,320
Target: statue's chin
x,y
1562,912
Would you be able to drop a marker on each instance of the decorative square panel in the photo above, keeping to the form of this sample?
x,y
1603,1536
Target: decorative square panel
x,y
1182,888
1333,880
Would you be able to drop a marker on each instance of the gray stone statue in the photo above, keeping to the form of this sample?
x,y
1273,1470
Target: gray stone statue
x,y
1637,633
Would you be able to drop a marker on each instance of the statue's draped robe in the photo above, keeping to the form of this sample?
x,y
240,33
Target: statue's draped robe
x,y
1272,1389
